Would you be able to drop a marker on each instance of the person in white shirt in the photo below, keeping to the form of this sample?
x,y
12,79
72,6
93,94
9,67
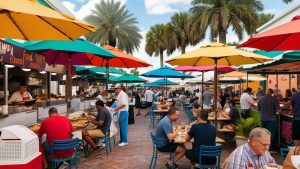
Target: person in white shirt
x,y
149,94
122,106
21,95
246,102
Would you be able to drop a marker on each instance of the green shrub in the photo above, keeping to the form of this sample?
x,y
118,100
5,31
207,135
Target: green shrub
x,y
244,126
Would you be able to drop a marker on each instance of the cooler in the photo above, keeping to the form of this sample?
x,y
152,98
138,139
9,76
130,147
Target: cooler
x,y
19,148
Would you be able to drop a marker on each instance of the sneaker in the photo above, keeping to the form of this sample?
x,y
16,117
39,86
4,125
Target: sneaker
x,y
122,144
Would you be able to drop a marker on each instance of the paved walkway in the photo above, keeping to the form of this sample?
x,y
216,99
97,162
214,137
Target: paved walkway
x,y
137,154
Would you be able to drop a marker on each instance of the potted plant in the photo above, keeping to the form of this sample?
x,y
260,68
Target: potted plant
x,y
243,129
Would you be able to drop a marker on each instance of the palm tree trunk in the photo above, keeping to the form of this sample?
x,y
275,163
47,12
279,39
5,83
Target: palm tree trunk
x,y
161,55
222,37
182,49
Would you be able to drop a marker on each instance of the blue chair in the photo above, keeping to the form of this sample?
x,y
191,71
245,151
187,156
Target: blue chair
x,y
155,154
210,151
153,118
283,153
191,115
60,145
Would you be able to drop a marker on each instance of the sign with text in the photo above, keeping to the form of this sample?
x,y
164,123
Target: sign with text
x,y
15,55
286,130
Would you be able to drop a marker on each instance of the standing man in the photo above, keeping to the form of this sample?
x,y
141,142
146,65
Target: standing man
x,y
102,121
268,106
207,96
149,94
260,93
122,106
165,135
21,95
204,134
295,109
246,103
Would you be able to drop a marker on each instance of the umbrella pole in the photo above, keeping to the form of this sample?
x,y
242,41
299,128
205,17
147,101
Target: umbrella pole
x,y
290,81
215,91
241,86
69,86
202,85
166,86
107,76
277,85
247,79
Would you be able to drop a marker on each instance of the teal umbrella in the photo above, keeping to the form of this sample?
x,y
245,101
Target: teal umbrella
x,y
78,52
80,70
129,78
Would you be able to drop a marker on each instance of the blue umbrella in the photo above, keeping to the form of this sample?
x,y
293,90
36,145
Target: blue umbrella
x,y
166,72
163,82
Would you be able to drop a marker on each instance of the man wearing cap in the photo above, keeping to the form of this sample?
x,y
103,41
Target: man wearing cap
x,y
268,106
122,106
246,103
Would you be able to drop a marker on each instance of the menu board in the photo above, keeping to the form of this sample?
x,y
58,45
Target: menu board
x,y
286,130
15,55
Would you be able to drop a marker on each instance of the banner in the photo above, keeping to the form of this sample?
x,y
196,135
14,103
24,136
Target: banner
x,y
14,55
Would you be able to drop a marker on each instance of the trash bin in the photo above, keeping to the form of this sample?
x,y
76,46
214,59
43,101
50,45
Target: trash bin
x,y
131,114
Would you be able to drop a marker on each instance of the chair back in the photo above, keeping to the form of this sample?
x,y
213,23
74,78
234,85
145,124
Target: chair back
x,y
191,115
59,145
153,140
283,153
210,151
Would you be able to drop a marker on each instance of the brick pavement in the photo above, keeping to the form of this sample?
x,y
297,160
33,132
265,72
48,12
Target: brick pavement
x,y
137,154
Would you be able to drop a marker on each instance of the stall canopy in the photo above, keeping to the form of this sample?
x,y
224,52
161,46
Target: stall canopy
x,y
29,20
288,64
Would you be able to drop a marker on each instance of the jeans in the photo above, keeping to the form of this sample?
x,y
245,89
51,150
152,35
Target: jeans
x,y
245,113
271,126
124,126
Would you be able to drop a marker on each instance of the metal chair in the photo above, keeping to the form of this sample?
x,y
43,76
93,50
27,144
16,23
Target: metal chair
x,y
60,145
155,154
210,151
283,153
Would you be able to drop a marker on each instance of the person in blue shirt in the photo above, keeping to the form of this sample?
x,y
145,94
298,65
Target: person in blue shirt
x,y
260,93
295,109
204,134
165,135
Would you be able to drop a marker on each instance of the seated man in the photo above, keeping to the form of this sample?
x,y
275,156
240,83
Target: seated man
x,y
56,128
204,134
196,103
253,154
165,136
233,114
102,122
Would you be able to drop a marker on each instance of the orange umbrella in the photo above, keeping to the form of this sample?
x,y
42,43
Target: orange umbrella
x,y
122,60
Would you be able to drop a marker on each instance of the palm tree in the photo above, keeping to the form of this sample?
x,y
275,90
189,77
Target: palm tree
x,y
135,72
116,26
157,41
264,18
218,15
179,32
287,1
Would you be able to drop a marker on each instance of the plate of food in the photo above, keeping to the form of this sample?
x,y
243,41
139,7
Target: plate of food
x,y
296,161
272,166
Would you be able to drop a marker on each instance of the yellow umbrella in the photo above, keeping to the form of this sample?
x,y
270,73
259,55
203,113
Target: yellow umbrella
x,y
217,54
28,20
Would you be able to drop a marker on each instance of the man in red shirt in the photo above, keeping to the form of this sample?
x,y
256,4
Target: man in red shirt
x,y
56,128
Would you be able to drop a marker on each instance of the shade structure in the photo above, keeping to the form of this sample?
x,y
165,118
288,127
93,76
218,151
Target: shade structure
x,y
283,37
70,53
165,72
129,78
29,20
244,79
217,54
205,68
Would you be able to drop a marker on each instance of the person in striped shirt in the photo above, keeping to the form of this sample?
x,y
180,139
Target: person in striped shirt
x,y
254,154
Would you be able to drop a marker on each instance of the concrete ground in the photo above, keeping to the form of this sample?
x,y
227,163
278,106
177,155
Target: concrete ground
x,y
137,154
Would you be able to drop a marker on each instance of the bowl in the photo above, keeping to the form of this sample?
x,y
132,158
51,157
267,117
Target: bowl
x,y
296,161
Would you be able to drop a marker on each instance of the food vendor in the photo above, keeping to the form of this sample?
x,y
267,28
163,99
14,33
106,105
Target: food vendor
x,y
21,95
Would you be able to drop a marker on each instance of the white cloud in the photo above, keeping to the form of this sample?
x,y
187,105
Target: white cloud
x,y
85,10
159,7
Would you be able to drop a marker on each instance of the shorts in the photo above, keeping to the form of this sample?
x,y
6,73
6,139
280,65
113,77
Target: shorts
x,y
148,104
170,147
95,133
296,130
138,105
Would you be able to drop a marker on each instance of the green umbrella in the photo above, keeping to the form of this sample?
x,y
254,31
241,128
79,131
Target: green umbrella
x,y
80,70
129,78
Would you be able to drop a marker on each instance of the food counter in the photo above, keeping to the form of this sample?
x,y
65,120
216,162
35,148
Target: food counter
x,y
19,115
43,111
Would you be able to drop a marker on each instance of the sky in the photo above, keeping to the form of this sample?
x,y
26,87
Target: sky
x,y
151,12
